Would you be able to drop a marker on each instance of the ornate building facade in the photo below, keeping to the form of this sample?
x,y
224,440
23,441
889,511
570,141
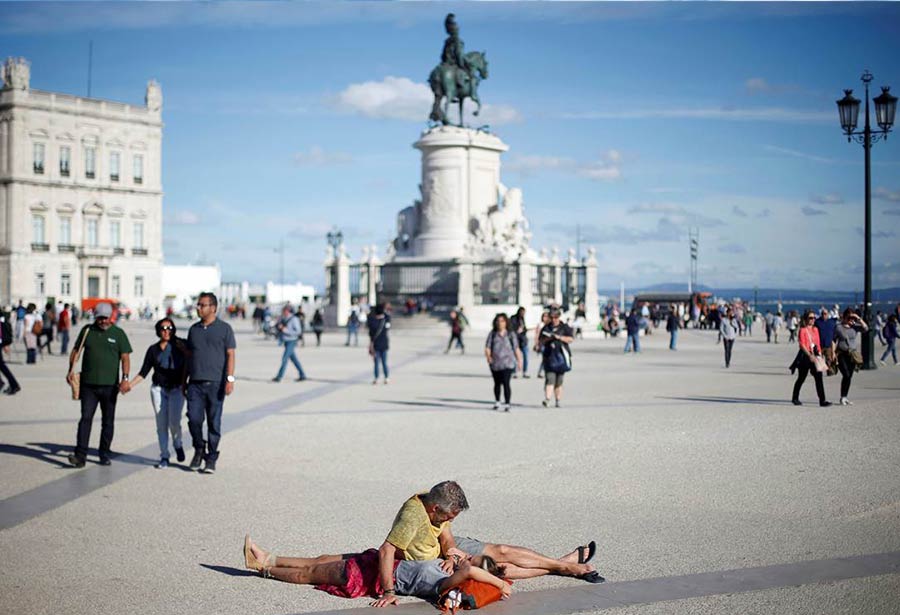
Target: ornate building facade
x,y
80,195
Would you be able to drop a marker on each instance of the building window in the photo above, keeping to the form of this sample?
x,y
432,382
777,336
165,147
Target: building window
x,y
37,229
65,285
39,158
65,231
92,235
115,234
138,286
138,236
114,166
90,162
138,162
39,284
65,160
116,286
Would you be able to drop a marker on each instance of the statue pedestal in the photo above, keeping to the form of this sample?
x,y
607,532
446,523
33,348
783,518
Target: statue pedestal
x,y
460,180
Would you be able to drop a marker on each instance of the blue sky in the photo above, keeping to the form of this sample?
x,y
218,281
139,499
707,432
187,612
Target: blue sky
x,y
635,121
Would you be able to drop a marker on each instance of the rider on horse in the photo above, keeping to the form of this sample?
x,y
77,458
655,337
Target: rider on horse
x,y
453,54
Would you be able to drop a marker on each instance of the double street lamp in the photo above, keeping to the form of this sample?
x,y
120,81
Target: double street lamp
x,y
885,108
335,238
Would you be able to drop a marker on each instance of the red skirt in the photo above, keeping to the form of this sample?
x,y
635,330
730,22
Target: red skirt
x,y
361,574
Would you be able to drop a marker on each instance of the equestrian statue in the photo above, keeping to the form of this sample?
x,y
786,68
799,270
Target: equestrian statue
x,y
456,77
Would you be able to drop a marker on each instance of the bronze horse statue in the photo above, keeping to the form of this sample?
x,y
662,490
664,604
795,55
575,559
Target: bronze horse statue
x,y
451,84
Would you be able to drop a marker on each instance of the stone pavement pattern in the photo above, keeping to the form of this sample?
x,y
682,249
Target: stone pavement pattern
x,y
674,465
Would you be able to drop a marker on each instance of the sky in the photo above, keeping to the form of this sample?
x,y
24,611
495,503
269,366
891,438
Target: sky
x,y
632,122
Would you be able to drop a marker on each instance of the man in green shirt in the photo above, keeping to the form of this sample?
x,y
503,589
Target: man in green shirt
x,y
104,346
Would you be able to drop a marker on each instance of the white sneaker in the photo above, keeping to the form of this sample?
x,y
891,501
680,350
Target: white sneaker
x,y
506,407
496,405
845,401
882,362
546,403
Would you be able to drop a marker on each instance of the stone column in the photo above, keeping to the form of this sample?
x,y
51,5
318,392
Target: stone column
x,y
525,295
374,265
572,265
460,181
465,295
342,292
557,276
591,300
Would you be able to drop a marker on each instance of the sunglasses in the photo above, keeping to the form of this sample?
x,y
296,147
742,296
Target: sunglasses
x,y
204,304
167,328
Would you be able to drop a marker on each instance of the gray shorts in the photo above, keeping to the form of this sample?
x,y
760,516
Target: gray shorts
x,y
553,379
469,545
419,579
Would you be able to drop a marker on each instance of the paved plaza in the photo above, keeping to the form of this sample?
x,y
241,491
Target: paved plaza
x,y
705,489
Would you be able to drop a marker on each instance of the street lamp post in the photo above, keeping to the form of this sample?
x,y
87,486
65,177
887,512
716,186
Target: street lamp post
x,y
885,108
335,238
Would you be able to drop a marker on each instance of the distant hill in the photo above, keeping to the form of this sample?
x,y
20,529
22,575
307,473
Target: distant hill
x,y
771,295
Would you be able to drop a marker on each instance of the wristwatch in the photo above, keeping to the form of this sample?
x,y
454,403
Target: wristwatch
x,y
229,378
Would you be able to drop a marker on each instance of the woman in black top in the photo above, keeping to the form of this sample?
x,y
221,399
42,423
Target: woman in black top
x,y
168,360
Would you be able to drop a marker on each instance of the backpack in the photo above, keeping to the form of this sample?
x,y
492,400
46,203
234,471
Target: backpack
x,y
7,334
38,327
470,595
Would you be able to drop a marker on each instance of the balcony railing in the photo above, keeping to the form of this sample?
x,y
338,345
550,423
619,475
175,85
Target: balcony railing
x,y
65,247
139,251
40,247
118,251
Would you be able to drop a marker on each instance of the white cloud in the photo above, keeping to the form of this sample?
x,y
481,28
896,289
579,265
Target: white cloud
x,y
756,85
812,211
401,98
757,114
183,217
802,155
318,157
887,195
395,98
732,248
677,214
827,199
607,167
738,211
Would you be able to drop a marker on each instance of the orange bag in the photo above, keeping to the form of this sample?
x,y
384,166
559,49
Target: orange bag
x,y
470,595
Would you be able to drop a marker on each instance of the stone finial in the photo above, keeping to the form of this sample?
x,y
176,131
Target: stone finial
x,y
153,98
554,254
16,74
373,253
365,254
591,256
571,260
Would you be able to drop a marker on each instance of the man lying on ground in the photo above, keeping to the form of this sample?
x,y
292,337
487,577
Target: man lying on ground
x,y
356,575
421,532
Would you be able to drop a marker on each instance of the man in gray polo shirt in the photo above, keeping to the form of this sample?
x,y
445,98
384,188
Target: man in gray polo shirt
x,y
211,371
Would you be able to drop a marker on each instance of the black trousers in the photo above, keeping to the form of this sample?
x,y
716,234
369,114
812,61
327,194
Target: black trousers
x,y
846,367
106,397
501,379
459,341
803,369
13,383
729,344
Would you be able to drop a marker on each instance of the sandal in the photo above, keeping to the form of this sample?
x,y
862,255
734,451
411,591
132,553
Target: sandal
x,y
591,549
250,560
592,577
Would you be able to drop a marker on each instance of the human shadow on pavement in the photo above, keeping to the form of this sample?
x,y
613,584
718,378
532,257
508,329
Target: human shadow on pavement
x,y
453,375
232,572
63,450
55,457
423,404
733,400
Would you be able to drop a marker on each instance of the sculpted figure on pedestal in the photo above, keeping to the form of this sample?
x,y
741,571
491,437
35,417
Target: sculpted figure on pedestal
x,y
16,74
457,76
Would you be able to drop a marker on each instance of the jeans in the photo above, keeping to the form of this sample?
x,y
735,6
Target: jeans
x,y
524,349
728,344
167,406
31,355
890,350
634,340
459,342
381,355
205,399
64,341
501,380
288,355
673,339
768,334
352,331
91,395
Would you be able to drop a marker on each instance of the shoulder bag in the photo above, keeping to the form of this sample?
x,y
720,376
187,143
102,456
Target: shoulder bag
x,y
76,376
